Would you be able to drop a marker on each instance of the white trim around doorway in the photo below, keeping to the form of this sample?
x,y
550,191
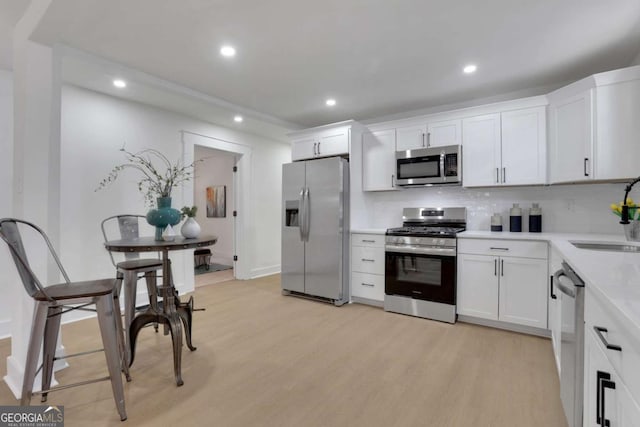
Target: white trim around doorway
x,y
242,191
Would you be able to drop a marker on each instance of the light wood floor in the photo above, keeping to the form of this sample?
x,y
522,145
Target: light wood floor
x,y
213,277
264,359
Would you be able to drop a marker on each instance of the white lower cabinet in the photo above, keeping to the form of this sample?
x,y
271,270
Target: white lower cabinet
x,y
477,286
607,400
367,268
501,287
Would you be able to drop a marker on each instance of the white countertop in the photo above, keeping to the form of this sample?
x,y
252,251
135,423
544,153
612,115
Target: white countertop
x,y
368,231
614,277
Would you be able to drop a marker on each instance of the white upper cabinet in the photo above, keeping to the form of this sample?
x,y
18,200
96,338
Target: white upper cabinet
x,y
324,141
447,132
524,146
617,150
434,134
481,157
411,137
507,148
379,160
571,138
594,128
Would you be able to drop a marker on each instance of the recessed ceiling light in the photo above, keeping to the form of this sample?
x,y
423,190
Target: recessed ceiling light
x,y
228,51
238,119
331,102
119,83
471,68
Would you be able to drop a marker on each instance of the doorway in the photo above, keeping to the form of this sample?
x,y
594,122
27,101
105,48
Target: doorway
x,y
214,196
239,201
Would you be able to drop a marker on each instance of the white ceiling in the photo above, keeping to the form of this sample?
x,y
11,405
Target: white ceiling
x,y
376,57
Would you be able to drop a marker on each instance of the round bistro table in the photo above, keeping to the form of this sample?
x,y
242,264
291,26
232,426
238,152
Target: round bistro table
x,y
173,312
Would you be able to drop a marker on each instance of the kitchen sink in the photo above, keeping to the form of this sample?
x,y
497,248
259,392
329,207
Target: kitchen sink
x,y
609,247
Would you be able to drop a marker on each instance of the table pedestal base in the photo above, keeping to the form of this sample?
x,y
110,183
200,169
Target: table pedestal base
x,y
174,317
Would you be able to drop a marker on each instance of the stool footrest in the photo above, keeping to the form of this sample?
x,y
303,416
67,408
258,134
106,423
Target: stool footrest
x,y
62,387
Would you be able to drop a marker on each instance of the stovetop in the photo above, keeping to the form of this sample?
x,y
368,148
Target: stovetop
x,y
427,231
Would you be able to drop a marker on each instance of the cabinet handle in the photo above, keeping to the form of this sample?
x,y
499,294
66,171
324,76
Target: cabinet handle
x,y
586,161
497,175
428,139
553,296
314,148
423,140
495,267
599,330
499,249
371,285
504,175
392,181
318,148
600,376
368,241
610,385
502,267
368,260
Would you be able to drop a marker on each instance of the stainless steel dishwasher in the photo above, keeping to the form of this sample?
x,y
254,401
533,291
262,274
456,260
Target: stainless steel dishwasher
x,y
571,343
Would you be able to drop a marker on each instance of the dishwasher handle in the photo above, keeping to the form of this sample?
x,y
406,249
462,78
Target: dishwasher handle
x,y
561,286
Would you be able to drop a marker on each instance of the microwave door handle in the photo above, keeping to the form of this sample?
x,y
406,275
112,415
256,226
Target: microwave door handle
x,y
442,171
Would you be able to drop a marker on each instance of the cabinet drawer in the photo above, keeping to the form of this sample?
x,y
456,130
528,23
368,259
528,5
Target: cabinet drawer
x,y
367,259
375,240
370,286
517,248
625,361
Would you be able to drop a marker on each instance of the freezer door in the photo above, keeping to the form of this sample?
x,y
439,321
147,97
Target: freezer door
x,y
324,246
293,185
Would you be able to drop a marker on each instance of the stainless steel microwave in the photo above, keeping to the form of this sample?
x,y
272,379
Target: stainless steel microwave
x,y
429,166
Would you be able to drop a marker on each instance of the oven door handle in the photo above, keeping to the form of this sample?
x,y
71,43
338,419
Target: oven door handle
x,y
421,250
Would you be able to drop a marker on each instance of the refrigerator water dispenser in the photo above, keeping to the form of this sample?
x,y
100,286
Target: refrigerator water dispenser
x,y
291,213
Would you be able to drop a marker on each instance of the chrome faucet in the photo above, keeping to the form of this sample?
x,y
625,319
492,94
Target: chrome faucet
x,y
624,217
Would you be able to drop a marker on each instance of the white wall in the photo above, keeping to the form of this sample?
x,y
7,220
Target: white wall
x,y
95,126
216,168
6,189
565,208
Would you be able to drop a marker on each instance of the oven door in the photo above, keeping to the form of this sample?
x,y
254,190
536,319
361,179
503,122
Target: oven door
x,y
427,277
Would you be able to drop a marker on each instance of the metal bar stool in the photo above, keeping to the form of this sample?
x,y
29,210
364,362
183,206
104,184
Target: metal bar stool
x,y
54,300
132,269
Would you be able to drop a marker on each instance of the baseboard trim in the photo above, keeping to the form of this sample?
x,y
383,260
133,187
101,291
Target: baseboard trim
x,y
529,330
265,271
367,301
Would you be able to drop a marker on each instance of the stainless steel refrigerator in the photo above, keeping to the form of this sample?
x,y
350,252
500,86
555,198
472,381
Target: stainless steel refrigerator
x,y
315,229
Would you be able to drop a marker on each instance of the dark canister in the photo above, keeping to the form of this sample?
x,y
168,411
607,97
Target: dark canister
x,y
515,218
535,219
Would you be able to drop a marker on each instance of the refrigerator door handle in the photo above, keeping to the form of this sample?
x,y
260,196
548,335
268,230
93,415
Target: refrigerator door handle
x,y
301,215
307,212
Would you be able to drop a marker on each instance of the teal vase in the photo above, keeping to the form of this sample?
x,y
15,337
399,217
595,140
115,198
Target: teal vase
x,y
162,216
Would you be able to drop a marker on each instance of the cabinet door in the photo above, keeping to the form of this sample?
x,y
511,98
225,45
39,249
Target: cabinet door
x,y
333,143
571,138
448,132
411,137
481,151
523,291
524,142
617,148
304,148
369,286
379,160
478,286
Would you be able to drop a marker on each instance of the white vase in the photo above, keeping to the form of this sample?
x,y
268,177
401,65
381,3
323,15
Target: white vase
x,y
168,235
190,229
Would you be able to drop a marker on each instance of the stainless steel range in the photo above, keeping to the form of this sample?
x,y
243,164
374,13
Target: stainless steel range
x,y
420,263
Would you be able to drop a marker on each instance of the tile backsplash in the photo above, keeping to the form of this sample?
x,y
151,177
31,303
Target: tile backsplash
x,y
580,208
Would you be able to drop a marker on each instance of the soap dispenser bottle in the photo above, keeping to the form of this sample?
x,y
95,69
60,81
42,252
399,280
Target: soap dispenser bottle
x,y
535,219
515,218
